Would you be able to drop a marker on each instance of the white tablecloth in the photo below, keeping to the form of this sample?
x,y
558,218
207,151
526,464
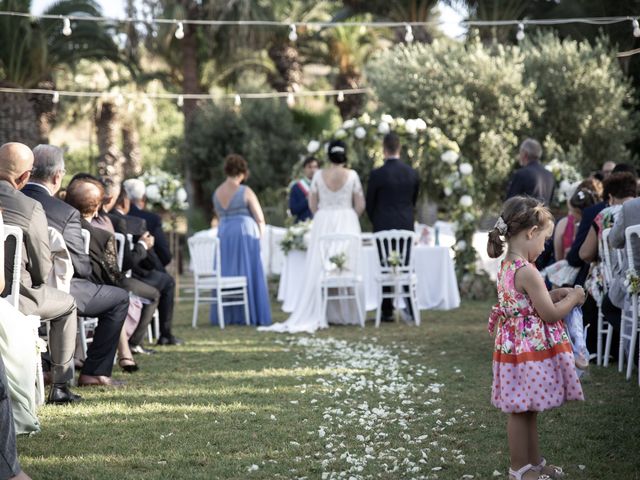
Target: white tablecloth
x,y
437,284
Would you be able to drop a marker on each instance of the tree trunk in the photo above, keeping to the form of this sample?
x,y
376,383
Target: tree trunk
x,y
110,159
352,105
25,118
131,150
288,68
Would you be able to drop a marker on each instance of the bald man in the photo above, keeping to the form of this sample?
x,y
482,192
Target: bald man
x,y
37,298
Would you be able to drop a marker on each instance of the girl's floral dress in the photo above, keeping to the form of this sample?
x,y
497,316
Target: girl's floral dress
x,y
533,364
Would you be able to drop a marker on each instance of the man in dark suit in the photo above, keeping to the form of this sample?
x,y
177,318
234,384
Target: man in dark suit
x,y
109,304
151,270
299,192
392,194
532,179
37,298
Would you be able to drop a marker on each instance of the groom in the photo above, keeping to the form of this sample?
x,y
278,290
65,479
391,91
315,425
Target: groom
x,y
391,199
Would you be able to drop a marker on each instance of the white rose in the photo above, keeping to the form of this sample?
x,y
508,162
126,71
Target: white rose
x,y
386,118
466,169
365,118
340,134
313,146
348,124
448,191
461,245
449,157
421,124
468,217
181,195
384,128
411,127
153,193
360,133
466,201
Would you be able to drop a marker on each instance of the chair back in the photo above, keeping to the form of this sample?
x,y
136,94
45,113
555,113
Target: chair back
x,y
336,245
398,244
120,246
13,248
632,241
86,236
205,253
130,238
605,255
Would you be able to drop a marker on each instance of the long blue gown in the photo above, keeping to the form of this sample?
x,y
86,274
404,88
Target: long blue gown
x,y
240,256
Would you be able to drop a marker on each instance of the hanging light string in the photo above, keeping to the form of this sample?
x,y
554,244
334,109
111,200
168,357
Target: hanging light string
x,y
181,97
266,23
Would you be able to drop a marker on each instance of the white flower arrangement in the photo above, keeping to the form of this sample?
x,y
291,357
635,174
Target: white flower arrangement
x,y
449,157
294,237
360,133
165,190
567,177
466,201
384,128
313,146
632,282
349,124
466,169
339,260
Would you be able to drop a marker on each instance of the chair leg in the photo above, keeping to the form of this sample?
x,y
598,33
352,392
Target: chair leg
x,y
607,349
414,306
621,346
220,309
196,300
599,334
245,297
632,347
361,312
83,336
324,299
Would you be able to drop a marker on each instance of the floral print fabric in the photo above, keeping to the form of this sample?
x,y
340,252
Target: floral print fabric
x,y
533,365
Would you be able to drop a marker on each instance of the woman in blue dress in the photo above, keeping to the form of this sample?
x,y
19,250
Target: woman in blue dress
x,y
241,226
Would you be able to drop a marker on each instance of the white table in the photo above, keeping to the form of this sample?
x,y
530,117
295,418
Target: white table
x,y
437,284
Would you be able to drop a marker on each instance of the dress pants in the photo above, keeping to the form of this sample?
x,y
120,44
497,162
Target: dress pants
x,y
9,466
110,305
166,285
59,309
146,291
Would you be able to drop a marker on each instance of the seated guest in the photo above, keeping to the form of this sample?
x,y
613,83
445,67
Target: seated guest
x,y
132,257
108,303
37,298
151,270
618,188
241,226
299,192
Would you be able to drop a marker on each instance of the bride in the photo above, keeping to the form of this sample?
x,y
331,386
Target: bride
x,y
336,201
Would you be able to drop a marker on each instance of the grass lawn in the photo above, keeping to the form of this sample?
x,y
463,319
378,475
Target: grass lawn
x,y
396,402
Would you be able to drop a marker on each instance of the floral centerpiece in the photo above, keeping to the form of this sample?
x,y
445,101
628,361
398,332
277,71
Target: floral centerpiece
x,y
632,282
447,179
339,260
567,179
294,237
165,190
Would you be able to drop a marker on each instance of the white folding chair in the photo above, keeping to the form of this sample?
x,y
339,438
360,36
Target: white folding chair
x,y
400,277
228,291
629,319
86,324
120,240
345,284
604,327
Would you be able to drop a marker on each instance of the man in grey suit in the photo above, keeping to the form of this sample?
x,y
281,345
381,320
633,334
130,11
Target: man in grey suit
x,y
37,298
108,303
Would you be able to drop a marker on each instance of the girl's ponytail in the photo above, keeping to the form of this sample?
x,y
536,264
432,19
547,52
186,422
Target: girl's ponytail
x,y
495,244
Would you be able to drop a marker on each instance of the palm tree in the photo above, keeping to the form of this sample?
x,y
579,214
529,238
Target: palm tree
x,y
32,52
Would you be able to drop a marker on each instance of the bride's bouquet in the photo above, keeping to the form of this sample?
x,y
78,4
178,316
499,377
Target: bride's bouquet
x,y
294,237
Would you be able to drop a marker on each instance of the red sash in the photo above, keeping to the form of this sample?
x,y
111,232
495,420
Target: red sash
x,y
303,186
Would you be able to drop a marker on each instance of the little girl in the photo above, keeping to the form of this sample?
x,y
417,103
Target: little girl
x,y
533,365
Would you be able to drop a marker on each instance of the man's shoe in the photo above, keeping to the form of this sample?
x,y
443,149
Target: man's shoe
x,y
98,381
139,349
170,341
61,395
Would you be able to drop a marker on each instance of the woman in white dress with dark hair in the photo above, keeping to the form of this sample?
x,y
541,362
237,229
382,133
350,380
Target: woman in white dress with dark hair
x,y
336,200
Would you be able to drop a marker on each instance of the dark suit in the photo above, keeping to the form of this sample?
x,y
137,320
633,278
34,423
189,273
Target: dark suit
x,y
154,225
108,303
533,180
132,258
392,194
37,298
299,202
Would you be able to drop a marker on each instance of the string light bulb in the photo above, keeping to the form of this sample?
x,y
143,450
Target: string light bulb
x,y
180,101
520,34
293,34
237,101
408,34
56,97
66,27
291,100
636,28
340,96
179,31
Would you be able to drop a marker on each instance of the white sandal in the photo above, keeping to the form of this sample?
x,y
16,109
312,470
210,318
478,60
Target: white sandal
x,y
557,471
517,474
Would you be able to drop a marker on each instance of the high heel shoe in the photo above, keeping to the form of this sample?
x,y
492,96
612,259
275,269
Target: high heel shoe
x,y
128,368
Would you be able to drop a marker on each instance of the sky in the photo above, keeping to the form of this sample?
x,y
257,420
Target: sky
x,y
115,8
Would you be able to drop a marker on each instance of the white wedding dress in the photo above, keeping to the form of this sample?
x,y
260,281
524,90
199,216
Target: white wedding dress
x,y
335,214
